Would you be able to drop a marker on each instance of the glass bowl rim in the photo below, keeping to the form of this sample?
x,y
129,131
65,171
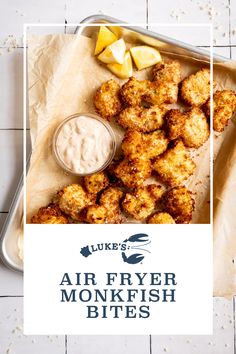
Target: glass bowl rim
x,y
93,116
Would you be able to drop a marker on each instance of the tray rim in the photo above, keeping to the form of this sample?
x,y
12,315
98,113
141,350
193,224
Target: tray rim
x,y
6,224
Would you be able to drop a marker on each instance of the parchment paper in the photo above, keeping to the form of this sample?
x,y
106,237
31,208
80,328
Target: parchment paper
x,y
63,76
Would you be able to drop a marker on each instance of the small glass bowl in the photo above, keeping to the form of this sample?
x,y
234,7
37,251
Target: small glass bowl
x,y
57,155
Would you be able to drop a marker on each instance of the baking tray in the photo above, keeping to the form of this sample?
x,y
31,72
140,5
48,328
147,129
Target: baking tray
x,y
10,232
8,237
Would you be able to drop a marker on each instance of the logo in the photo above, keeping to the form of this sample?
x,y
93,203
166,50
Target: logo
x,y
135,243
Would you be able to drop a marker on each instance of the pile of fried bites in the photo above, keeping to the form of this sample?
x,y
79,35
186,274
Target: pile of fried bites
x,y
156,142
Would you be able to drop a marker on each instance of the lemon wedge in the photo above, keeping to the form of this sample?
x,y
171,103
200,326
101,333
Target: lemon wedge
x,y
123,71
114,53
105,38
145,56
116,30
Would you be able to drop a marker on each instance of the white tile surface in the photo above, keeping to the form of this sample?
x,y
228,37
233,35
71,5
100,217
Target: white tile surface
x,y
11,97
233,21
221,342
11,283
189,11
75,13
14,13
11,162
108,345
12,339
123,10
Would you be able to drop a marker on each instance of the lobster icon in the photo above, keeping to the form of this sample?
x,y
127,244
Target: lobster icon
x,y
136,257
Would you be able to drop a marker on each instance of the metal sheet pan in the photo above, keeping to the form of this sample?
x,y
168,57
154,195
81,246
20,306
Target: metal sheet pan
x,y
9,234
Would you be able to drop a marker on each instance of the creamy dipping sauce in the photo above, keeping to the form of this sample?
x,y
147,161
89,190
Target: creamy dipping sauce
x,y
84,144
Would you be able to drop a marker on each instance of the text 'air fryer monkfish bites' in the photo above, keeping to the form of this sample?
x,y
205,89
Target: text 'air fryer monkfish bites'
x,y
159,141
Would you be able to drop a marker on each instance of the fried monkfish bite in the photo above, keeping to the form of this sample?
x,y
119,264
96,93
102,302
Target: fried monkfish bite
x,y
136,144
134,172
50,214
133,90
195,89
167,71
96,182
73,199
161,218
175,165
143,119
224,106
196,128
96,214
142,202
161,92
107,101
110,199
178,202
108,211
175,120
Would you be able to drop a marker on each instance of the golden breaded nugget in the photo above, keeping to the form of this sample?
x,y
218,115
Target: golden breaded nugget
x,y
110,199
175,165
132,144
167,71
107,101
50,214
142,201
195,89
133,90
175,120
133,172
96,214
161,218
196,129
136,144
178,202
155,143
143,119
73,199
96,182
161,92
224,106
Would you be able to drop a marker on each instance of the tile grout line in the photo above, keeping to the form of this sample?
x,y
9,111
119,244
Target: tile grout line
x,y
5,47
7,296
17,129
65,9
150,344
230,28
66,347
217,46
147,14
